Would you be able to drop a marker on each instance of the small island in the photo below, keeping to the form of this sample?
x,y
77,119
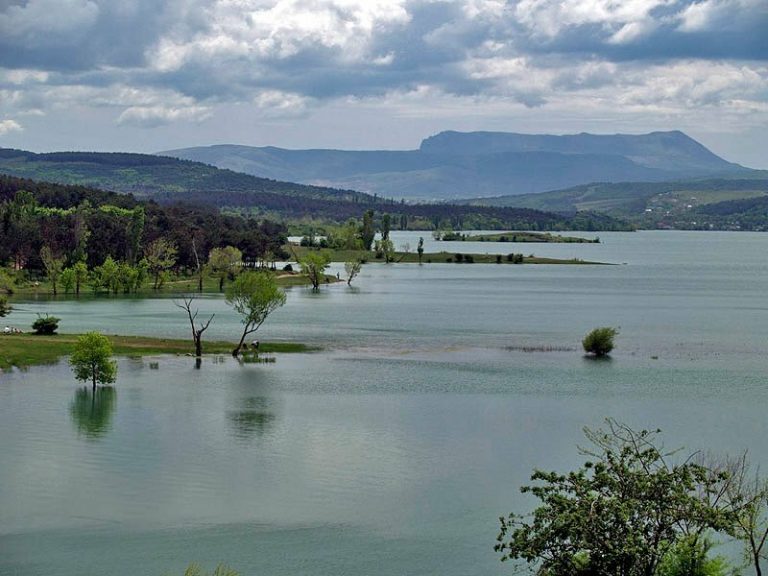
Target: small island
x,y
542,237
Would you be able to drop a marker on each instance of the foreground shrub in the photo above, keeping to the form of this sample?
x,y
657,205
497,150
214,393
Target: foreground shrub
x,y
600,341
46,324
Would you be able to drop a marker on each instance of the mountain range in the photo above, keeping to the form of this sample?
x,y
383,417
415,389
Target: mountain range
x,y
452,165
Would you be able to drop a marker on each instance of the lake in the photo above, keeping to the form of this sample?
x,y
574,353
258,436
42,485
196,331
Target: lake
x,y
396,448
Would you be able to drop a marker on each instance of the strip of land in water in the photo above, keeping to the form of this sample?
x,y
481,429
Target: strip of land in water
x,y
443,257
540,237
24,350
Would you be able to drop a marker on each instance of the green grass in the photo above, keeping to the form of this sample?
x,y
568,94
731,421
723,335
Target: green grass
x,y
23,350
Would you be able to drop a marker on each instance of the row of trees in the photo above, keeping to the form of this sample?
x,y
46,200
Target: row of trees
x,y
76,224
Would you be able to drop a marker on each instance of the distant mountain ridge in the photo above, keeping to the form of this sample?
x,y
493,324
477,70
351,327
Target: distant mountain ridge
x,y
452,165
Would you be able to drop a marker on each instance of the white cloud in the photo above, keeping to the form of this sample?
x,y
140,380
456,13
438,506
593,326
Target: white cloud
x,y
274,103
8,126
550,17
260,30
153,116
713,14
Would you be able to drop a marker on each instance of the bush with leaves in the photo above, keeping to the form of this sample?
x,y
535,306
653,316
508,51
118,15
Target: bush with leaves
x,y
5,308
46,324
600,341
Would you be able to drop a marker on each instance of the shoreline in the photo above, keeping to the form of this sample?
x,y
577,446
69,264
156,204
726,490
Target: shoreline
x,y
25,350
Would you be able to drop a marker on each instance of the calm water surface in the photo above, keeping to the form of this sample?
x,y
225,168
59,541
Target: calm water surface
x,y
395,450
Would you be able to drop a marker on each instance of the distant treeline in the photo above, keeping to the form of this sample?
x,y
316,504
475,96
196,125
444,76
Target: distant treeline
x,y
409,216
84,224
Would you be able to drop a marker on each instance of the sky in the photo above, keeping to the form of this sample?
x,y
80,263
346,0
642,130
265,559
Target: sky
x,y
151,75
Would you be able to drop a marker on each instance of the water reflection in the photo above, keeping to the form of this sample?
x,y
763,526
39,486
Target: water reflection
x,y
255,418
92,412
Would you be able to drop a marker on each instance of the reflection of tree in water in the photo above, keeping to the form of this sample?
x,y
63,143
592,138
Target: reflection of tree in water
x,y
253,419
92,412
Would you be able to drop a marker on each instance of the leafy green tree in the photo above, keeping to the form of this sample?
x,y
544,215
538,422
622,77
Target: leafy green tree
x,y
225,262
385,249
80,269
126,277
107,275
134,233
253,295
619,513
161,256
352,268
367,232
53,266
67,279
386,226
600,341
92,360
690,556
5,308
313,265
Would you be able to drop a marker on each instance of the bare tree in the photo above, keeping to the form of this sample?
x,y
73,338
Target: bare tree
x,y
746,493
198,266
197,329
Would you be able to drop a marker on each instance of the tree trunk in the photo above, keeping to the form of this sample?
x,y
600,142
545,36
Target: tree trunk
x,y
198,345
221,283
758,570
236,351
94,383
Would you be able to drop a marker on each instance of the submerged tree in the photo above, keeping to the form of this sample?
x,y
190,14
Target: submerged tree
x,y
352,268
253,295
197,329
420,248
313,264
92,360
600,341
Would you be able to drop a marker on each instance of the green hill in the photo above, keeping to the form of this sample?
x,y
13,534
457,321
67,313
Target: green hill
x,y
145,175
169,180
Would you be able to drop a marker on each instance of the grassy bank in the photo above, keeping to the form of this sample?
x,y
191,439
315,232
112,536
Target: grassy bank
x,y
178,285
23,350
